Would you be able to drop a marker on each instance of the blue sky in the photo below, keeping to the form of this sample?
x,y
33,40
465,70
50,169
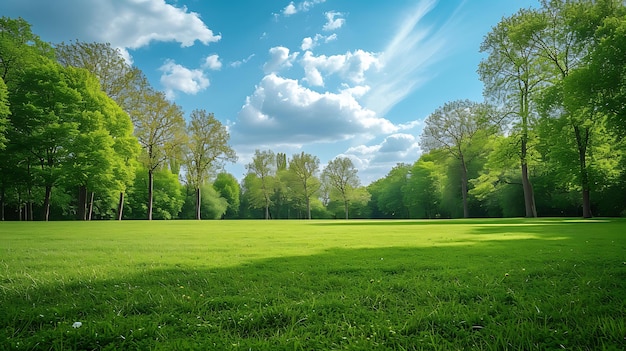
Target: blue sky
x,y
352,78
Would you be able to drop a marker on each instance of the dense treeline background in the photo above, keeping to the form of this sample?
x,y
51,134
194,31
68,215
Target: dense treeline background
x,y
84,136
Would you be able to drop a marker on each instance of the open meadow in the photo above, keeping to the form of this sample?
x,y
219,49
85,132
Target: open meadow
x,y
484,284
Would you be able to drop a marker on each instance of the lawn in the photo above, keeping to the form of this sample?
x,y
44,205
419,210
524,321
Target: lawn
x,y
484,284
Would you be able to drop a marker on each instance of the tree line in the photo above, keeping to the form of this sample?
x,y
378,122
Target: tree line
x,y
85,136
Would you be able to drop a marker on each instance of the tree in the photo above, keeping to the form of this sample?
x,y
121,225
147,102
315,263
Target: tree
x,y
214,206
512,75
263,167
228,187
423,189
207,150
117,78
341,177
387,200
4,113
121,82
19,49
456,127
304,167
48,107
159,127
168,195
564,36
606,66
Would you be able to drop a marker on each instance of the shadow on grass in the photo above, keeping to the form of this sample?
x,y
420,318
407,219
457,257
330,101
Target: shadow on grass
x,y
522,294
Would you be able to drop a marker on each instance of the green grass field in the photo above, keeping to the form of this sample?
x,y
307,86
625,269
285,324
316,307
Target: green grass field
x,y
314,285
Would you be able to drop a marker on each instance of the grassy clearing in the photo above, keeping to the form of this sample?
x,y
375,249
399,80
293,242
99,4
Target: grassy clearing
x,y
298,285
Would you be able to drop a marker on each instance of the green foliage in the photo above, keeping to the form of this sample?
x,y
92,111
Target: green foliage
x,y
4,113
213,205
387,197
303,168
169,195
340,177
422,193
227,187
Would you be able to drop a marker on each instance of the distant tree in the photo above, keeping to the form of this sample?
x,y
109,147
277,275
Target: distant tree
x,y
207,150
168,195
423,189
228,187
341,177
4,113
457,127
214,206
160,129
304,168
388,193
263,167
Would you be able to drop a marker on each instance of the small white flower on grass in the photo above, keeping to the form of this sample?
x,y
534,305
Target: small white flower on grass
x,y
77,325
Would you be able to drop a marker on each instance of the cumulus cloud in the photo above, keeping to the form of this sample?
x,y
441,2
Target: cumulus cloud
x,y
303,6
125,24
176,77
212,62
373,161
351,66
282,111
279,58
333,23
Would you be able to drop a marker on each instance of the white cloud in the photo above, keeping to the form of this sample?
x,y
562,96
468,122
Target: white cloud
x,y
241,62
351,66
279,58
374,161
179,78
405,60
309,43
212,62
125,24
290,9
333,23
282,111
303,6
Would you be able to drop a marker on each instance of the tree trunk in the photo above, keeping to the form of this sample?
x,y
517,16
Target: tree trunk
x,y
308,207
198,203
150,183
120,206
464,187
2,204
46,203
346,207
82,203
28,206
529,196
581,142
90,212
